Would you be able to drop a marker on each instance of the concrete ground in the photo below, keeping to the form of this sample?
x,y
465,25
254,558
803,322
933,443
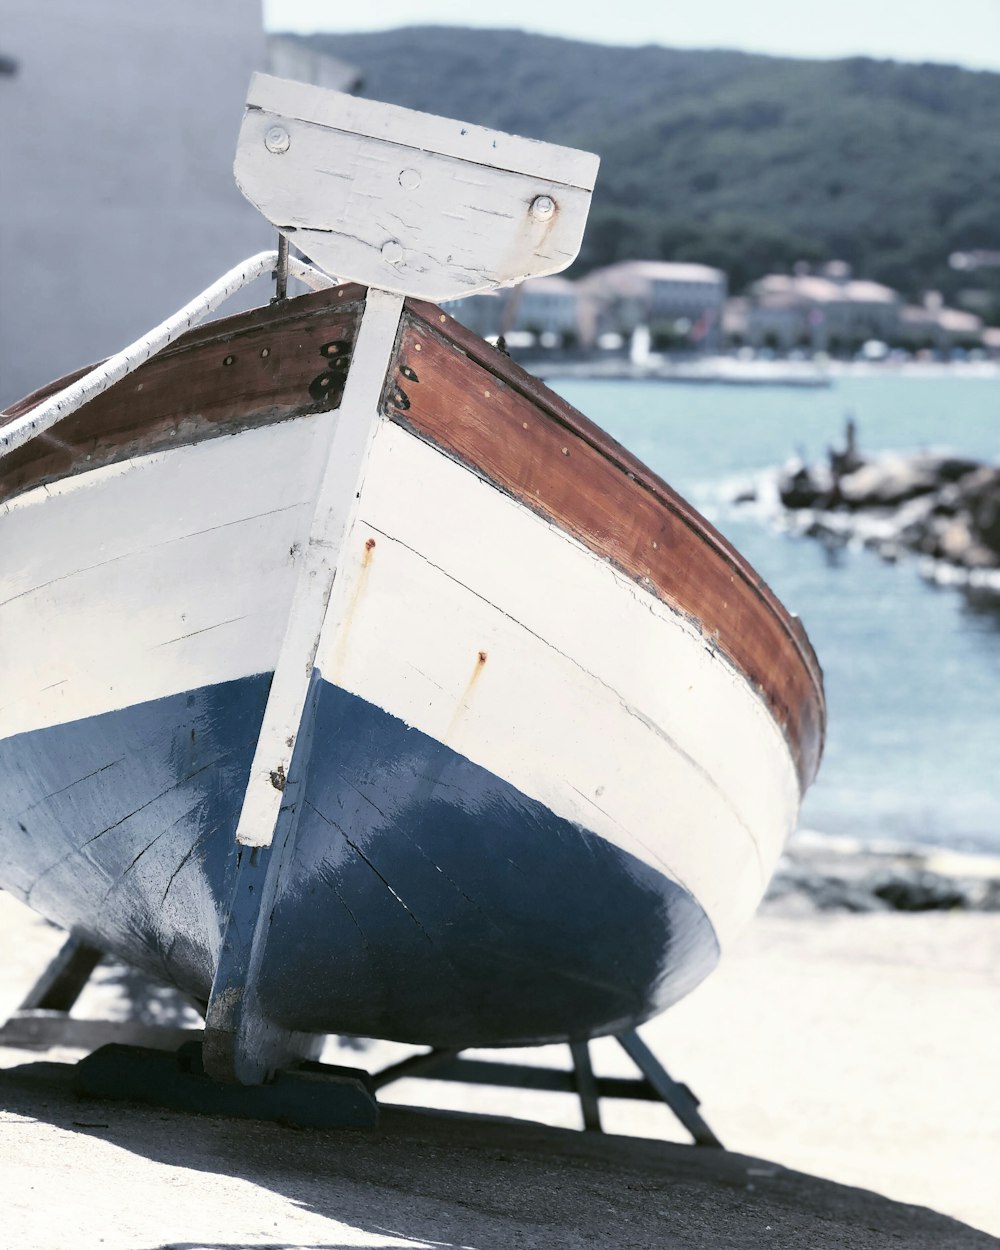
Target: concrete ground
x,y
103,1175
861,1049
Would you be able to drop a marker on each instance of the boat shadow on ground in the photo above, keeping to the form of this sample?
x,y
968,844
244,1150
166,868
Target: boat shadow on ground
x,y
449,1181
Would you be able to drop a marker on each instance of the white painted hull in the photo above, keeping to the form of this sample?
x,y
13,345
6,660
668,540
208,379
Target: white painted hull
x,y
175,572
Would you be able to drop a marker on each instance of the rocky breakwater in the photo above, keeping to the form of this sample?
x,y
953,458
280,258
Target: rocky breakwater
x,y
818,873
942,507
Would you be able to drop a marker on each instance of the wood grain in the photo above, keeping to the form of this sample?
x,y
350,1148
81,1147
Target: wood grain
x,y
256,368
404,201
479,406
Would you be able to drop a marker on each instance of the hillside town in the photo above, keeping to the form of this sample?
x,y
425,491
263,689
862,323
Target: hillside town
x,y
677,307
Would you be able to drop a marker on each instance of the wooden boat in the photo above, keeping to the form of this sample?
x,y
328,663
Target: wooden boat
x,y
354,682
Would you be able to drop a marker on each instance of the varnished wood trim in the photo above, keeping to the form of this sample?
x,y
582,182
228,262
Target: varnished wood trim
x,y
479,406
256,368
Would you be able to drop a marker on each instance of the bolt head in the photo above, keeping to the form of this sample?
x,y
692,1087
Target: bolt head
x,y
277,140
409,179
392,252
543,207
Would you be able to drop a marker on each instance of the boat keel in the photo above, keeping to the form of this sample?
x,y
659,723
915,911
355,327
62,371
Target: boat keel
x,y
309,1095
167,1066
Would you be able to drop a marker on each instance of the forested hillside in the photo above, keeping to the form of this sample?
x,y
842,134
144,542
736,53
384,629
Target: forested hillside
x,y
746,162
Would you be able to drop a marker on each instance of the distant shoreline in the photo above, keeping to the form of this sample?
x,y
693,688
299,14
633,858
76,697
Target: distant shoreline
x,y
730,371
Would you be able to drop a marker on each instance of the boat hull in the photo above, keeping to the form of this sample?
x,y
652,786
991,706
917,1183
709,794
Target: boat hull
x,y
549,767
427,900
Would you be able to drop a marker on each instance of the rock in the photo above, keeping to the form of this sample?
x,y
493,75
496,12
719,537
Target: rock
x,y
889,482
954,468
955,540
987,897
822,891
945,507
842,875
948,501
918,520
920,890
980,493
800,486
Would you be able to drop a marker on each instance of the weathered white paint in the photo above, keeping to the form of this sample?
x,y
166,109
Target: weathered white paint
x,y
336,507
65,402
594,697
371,119
405,201
166,573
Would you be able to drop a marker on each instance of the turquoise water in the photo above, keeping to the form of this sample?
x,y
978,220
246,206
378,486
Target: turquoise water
x,y
912,669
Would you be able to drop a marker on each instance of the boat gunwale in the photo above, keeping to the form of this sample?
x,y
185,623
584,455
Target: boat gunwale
x,y
18,474
571,419
805,740
451,333
220,330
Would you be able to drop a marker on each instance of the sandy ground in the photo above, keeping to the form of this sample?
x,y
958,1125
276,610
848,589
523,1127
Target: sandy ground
x,y
861,1049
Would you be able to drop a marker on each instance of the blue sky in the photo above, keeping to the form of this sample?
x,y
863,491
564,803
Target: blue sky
x,y
961,32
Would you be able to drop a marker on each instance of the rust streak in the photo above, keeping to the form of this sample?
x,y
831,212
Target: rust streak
x,y
463,703
580,480
357,594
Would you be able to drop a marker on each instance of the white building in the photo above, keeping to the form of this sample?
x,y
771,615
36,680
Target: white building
x,y
119,205
935,326
682,304
829,311
547,308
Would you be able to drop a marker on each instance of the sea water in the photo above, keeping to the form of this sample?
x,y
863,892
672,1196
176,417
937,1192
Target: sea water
x,y
912,668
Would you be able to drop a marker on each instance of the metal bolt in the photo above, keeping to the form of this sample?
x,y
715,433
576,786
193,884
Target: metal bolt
x,y
543,207
277,140
409,179
392,252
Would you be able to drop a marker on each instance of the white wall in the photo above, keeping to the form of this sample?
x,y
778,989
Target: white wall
x,y
117,202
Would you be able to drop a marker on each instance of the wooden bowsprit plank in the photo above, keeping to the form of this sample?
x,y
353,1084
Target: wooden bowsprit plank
x,y
420,205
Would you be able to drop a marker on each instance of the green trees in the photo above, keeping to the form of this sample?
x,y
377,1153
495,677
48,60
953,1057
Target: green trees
x,y
750,163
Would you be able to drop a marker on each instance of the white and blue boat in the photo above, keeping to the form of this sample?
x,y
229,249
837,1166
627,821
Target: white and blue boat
x,y
352,682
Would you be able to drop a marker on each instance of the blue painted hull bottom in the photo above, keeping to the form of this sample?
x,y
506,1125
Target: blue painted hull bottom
x,y
424,899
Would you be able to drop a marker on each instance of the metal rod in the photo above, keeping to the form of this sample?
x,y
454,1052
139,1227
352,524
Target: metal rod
x,y
415,1065
678,1097
586,1086
437,1066
281,271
